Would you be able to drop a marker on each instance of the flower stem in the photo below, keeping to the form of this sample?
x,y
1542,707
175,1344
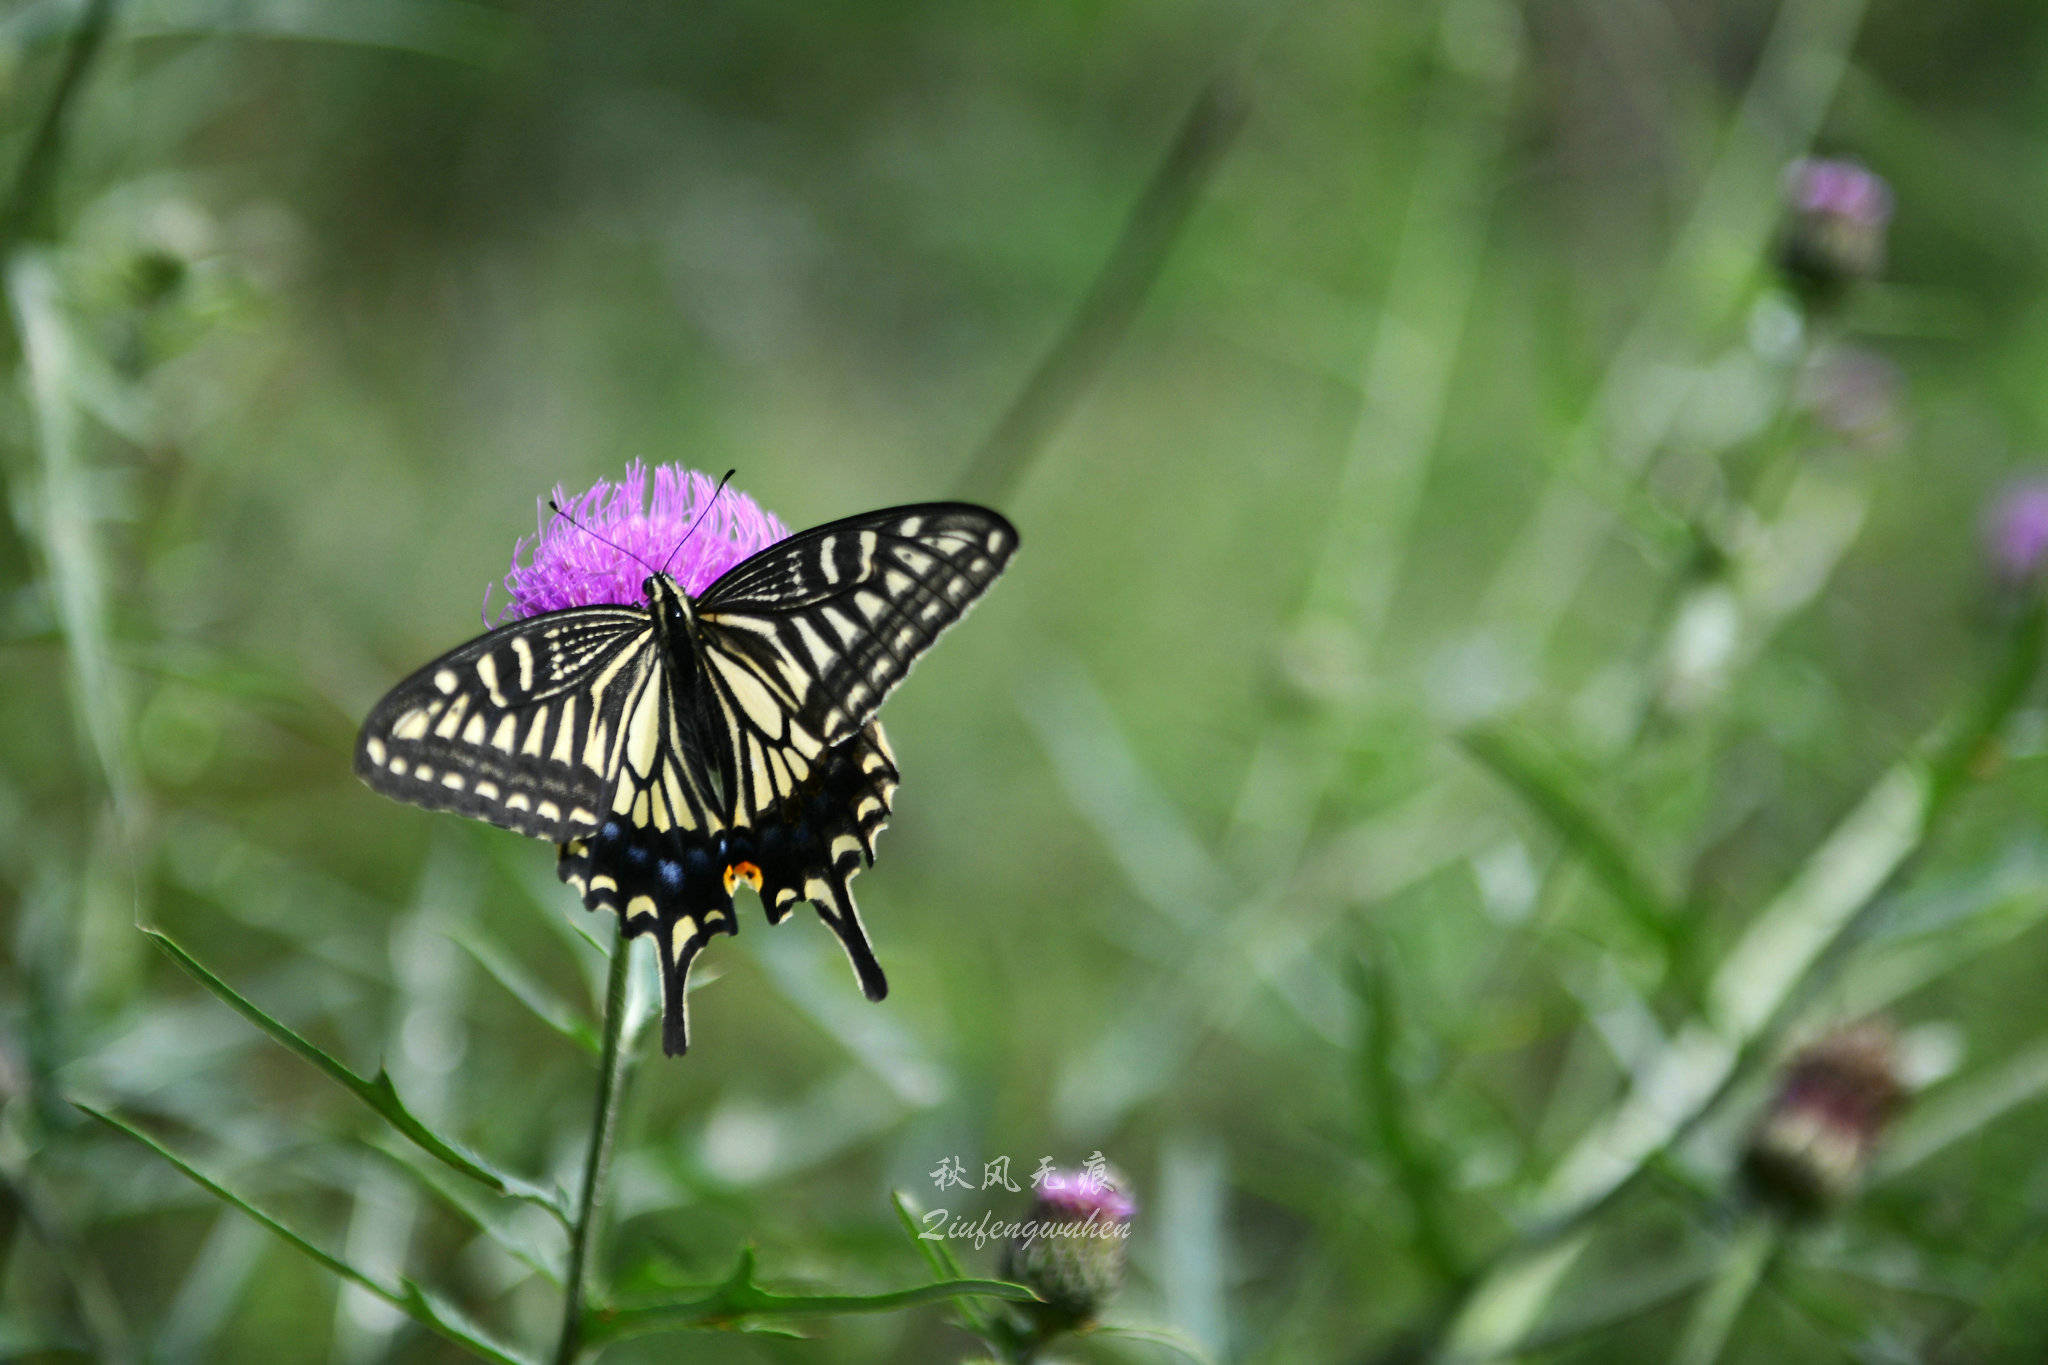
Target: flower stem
x,y
604,1125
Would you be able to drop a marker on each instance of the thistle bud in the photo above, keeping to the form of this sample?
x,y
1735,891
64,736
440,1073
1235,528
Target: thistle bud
x,y
1810,1150
1071,1248
2016,532
1835,234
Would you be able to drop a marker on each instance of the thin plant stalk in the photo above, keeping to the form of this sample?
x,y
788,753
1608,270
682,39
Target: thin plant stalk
x,y
604,1127
1104,317
1743,1268
27,199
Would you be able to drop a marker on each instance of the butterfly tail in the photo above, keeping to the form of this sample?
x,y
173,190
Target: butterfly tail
x,y
681,902
679,943
834,902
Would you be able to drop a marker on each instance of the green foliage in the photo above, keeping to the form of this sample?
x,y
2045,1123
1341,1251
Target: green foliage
x,y
1491,674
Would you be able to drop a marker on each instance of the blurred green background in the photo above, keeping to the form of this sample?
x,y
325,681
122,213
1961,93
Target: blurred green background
x,y
1490,672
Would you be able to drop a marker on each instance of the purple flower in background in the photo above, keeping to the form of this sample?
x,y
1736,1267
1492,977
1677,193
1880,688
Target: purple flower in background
x,y
1810,1149
572,565
1838,212
1838,189
2017,531
1072,1248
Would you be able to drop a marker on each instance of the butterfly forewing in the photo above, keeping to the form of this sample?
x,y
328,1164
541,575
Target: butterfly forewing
x,y
807,637
517,727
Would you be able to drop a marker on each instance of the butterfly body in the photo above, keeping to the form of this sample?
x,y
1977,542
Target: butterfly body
x,y
679,748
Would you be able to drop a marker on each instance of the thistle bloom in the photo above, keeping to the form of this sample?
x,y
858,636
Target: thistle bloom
x,y
1835,237
1072,1247
1812,1146
623,537
2016,533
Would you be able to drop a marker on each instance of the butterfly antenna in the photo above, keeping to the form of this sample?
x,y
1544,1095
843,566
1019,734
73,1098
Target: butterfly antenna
x,y
556,508
700,519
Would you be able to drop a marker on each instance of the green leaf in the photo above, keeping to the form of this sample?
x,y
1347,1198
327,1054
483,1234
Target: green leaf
x,y
543,1256
1178,1342
431,1312
1744,1263
1390,1112
376,1091
738,1303
943,1263
1544,784
1964,1107
60,522
549,1008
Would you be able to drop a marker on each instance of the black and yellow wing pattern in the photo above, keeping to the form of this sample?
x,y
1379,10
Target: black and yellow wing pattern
x,y
678,749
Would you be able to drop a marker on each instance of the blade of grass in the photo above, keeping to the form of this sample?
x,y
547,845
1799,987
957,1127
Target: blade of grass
x,y
218,1278
1743,1267
1548,789
1192,1209
62,525
441,1318
473,1209
1104,317
1180,1343
943,1263
544,1005
739,1301
1405,381
99,1310
377,1091
27,201
1389,1115
1964,1107
1752,993
887,1050
1702,279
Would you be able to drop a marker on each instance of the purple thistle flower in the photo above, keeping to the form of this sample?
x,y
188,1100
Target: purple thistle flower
x,y
1838,211
572,565
1072,1248
2016,532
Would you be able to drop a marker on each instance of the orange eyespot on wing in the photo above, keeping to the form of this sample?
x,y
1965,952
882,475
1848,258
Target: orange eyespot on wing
x,y
742,872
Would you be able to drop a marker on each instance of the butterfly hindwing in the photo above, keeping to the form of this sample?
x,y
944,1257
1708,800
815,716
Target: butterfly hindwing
x,y
677,886
516,726
810,846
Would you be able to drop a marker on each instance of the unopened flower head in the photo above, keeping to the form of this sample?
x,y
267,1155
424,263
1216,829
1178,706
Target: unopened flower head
x,y
1073,1247
2016,533
612,536
1837,212
1812,1146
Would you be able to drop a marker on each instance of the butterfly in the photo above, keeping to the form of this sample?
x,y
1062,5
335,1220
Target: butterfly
x,y
678,749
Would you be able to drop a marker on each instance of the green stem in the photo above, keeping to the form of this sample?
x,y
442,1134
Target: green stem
x,y
604,1128
1103,318
1743,1268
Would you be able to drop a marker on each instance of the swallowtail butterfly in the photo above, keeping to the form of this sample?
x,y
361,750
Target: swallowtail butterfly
x,y
677,749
